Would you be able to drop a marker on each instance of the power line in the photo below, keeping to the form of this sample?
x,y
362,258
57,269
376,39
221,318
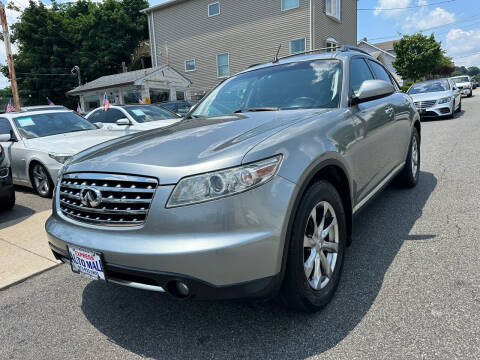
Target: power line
x,y
408,7
465,56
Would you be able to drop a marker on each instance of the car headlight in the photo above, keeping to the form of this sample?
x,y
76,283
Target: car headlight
x,y
61,158
219,184
445,100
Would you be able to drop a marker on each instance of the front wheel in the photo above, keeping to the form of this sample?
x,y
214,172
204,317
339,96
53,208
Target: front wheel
x,y
10,203
316,249
410,173
40,180
460,107
470,94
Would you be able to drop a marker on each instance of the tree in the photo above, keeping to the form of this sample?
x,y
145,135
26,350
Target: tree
x,y
96,36
417,56
445,67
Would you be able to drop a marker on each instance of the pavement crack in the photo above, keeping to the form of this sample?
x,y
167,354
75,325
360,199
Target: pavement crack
x,y
27,250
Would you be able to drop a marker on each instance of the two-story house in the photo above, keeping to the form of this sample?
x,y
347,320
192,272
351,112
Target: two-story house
x,y
209,40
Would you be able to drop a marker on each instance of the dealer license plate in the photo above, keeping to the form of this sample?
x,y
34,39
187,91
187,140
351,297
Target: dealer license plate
x,y
87,263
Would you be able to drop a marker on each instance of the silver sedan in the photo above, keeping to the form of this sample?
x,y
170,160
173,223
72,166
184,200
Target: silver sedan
x,y
38,143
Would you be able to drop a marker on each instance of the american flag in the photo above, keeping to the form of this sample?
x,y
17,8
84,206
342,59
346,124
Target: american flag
x,y
50,102
10,107
106,103
79,109
139,98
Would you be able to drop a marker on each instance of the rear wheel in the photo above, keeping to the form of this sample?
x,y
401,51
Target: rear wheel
x,y
40,180
316,249
410,173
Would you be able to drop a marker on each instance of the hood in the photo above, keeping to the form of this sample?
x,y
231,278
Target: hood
x,y
188,147
70,143
431,96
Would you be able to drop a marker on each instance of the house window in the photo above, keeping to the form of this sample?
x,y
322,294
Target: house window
x,y
333,8
91,102
159,95
180,95
289,4
298,46
190,65
331,44
214,9
223,65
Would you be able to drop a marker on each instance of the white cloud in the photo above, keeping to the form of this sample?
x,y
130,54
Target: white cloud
x,y
464,42
391,4
424,19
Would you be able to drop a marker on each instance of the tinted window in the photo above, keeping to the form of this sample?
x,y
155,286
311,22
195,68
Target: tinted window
x,y
429,86
97,116
359,72
5,126
379,72
54,123
113,115
299,85
147,113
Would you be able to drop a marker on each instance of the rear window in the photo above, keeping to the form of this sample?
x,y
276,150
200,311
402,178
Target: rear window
x,y
148,113
430,86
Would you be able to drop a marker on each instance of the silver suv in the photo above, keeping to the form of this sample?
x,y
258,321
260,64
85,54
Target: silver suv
x,y
252,194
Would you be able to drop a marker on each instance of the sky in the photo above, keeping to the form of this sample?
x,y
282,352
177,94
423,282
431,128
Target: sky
x,y
456,23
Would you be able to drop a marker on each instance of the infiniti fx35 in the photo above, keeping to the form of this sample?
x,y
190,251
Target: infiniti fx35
x,y
252,194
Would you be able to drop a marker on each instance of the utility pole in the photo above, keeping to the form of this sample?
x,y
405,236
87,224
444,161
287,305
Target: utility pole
x,y
76,71
11,67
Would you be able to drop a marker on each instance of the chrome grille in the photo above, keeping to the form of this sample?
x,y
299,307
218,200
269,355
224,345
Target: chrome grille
x,y
123,200
425,104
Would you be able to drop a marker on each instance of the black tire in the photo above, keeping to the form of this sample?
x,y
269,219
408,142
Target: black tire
x,y
43,191
297,293
460,107
470,94
10,203
452,112
407,178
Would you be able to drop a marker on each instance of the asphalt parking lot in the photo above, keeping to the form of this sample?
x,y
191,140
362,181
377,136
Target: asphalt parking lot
x,y
410,287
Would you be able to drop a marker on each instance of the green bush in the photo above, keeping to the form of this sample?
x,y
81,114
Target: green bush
x,y
405,88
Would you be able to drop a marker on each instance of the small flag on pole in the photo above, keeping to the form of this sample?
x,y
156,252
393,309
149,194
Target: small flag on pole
x,y
139,98
10,107
79,109
106,103
50,102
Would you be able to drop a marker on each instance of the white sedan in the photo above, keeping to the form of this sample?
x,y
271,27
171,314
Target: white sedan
x,y
132,117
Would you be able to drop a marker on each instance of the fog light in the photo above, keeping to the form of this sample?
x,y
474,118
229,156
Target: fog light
x,y
182,289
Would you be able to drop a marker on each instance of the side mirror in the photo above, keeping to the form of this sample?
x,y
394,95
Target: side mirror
x,y
371,90
99,125
5,137
124,121
454,88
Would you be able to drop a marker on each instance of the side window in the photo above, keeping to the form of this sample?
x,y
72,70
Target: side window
x,y
359,72
97,116
5,126
379,72
113,115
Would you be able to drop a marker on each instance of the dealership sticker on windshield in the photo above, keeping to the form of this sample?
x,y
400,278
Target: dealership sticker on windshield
x,y
87,263
26,121
138,112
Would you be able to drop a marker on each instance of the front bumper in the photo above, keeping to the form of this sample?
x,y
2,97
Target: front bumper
x,y
466,91
223,244
436,110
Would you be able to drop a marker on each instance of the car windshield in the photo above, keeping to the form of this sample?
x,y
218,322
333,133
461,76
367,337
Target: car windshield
x,y
299,85
427,87
461,79
54,123
148,113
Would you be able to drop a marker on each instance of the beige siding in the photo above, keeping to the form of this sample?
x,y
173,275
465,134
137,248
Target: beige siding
x,y
345,31
249,30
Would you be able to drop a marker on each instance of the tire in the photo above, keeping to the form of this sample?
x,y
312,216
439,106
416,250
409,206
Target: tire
x,y
408,177
452,112
460,107
10,203
298,291
470,94
40,179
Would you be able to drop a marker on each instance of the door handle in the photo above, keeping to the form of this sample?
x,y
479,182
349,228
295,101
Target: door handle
x,y
389,110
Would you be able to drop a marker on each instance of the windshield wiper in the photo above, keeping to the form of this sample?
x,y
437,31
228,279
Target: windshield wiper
x,y
256,109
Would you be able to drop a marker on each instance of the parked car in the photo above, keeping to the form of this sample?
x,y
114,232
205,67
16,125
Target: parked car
x,y
180,107
133,117
38,143
474,83
7,192
436,98
257,193
44,107
464,84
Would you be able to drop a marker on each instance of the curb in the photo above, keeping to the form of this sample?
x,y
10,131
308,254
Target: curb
x,y
16,282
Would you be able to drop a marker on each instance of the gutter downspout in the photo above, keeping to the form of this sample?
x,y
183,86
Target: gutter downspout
x,y
155,62
311,25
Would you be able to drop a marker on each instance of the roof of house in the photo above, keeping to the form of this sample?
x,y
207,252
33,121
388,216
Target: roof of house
x,y
377,49
126,78
386,45
166,4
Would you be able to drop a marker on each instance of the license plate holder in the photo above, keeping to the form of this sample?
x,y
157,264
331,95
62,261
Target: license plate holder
x,y
87,263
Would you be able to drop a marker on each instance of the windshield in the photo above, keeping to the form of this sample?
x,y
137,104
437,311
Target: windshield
x,y
427,87
148,113
461,79
300,85
54,123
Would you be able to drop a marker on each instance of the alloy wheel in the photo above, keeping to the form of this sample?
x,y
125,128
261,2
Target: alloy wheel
x,y
40,180
320,245
414,156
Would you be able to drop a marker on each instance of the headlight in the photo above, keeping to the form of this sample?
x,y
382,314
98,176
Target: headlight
x,y
219,184
61,158
445,100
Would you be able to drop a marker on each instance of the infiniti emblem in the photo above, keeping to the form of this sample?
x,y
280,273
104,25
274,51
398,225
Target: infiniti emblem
x,y
91,197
